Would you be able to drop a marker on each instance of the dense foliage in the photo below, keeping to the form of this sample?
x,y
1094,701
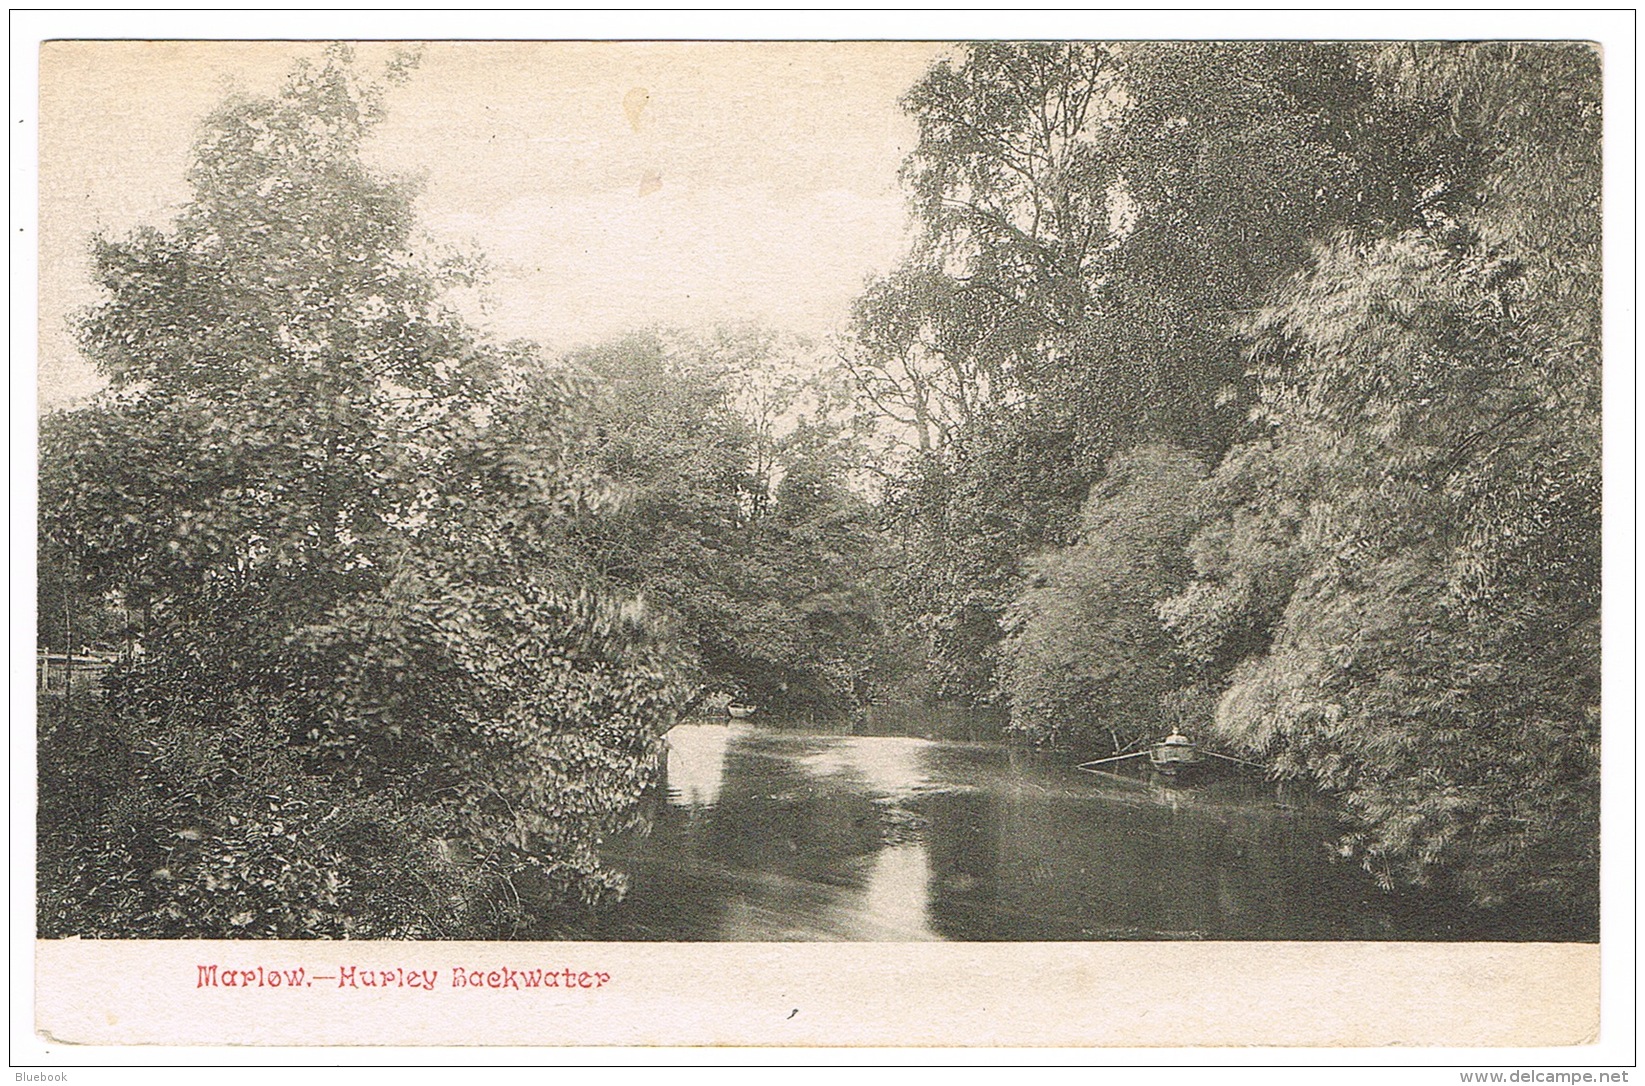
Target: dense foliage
x,y
1096,221
1404,587
1088,662
741,518
1252,389
365,698
1361,282
1400,598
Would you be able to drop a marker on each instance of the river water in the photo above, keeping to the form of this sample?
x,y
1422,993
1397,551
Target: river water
x,y
770,833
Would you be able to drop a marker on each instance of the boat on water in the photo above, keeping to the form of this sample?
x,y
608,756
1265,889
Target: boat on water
x,y
1175,755
739,711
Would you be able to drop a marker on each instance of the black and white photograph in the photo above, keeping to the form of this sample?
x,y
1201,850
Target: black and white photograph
x,y
580,493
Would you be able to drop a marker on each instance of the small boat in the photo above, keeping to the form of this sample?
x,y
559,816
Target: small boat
x,y
1170,756
739,711
1173,754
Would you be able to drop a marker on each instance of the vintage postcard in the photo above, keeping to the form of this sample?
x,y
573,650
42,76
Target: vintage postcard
x,y
1069,541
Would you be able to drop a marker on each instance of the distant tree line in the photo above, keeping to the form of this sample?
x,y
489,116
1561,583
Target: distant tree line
x,y
736,452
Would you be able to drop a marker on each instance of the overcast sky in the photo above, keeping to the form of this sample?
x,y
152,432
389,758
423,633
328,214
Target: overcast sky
x,y
610,185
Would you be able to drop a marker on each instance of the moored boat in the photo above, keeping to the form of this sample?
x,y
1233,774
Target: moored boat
x,y
1172,756
739,711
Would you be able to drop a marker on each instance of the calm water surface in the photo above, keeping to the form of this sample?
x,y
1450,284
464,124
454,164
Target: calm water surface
x,y
767,833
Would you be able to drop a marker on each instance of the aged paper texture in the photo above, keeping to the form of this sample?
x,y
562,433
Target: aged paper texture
x,y
898,880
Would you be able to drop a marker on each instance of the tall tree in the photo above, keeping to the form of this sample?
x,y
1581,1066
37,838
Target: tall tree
x,y
1399,594
367,699
1096,221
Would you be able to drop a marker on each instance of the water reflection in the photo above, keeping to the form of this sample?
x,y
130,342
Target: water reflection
x,y
895,898
770,834
884,765
695,766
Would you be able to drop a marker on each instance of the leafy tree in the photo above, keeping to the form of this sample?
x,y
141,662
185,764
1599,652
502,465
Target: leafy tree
x,y
739,518
822,555
1366,279
1410,588
1097,220
370,697
1398,596
958,527
1088,660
